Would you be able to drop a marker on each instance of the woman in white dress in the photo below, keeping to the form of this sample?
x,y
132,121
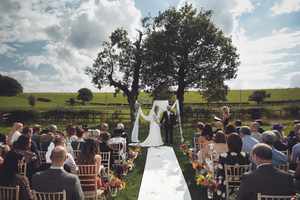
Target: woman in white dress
x,y
154,138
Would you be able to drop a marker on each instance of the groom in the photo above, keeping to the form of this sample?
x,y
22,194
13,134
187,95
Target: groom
x,y
168,120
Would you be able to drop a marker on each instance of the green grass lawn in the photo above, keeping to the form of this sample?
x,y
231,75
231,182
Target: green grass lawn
x,y
58,99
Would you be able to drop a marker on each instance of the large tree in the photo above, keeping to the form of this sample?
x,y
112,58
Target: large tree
x,y
186,50
119,65
9,86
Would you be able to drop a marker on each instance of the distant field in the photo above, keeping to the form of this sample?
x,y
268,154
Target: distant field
x,y
58,99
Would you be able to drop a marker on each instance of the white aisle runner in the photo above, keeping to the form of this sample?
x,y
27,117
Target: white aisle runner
x,y
163,178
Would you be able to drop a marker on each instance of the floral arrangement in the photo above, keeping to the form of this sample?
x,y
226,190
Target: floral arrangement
x,y
206,179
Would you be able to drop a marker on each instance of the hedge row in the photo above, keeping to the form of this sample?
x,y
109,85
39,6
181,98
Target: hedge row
x,y
189,114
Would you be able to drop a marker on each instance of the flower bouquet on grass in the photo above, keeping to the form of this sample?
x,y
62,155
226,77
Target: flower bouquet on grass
x,y
127,166
116,184
205,179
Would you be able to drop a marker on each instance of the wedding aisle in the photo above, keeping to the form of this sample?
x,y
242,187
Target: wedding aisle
x,y
163,178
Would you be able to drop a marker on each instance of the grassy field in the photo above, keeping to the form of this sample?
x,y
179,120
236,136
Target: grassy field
x,y
58,99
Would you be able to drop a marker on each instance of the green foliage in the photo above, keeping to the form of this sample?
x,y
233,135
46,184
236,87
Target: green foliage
x,y
71,101
162,92
215,92
293,111
31,100
259,96
9,86
186,50
85,95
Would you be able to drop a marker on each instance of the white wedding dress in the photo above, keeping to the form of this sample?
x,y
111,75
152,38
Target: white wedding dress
x,y
154,138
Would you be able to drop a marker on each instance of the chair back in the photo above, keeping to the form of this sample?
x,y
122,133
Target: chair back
x,y
284,167
117,153
76,154
105,160
42,156
50,195
9,193
22,167
88,178
272,197
233,174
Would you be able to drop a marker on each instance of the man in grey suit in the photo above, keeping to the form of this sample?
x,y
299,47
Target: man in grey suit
x,y
266,179
56,179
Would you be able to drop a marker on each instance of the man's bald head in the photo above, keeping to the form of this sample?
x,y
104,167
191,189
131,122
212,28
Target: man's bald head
x,y
58,156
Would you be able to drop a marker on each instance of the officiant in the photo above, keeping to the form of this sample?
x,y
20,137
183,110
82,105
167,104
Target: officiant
x,y
168,121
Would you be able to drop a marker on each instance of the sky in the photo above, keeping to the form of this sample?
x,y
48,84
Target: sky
x,y
47,44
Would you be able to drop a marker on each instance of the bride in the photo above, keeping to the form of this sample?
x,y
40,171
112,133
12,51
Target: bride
x,y
154,138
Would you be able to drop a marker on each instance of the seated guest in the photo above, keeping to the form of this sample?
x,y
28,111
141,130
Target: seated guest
x,y
225,115
9,175
266,179
56,179
36,130
104,129
260,123
27,131
213,149
207,132
23,147
15,133
70,165
280,143
254,127
103,146
248,140
3,139
197,134
77,144
4,148
71,133
230,128
279,128
295,157
294,136
45,139
238,124
278,158
121,127
220,145
234,156
89,155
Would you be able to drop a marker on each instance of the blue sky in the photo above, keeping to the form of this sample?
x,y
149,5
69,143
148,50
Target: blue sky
x,y
47,44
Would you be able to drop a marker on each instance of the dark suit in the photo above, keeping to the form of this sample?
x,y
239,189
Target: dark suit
x,y
57,180
265,180
168,121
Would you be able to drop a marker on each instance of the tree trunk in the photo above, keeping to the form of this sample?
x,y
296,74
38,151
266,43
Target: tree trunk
x,y
131,101
180,98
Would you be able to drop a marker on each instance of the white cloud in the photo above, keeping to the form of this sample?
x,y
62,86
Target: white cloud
x,y
294,79
225,13
264,58
73,35
285,6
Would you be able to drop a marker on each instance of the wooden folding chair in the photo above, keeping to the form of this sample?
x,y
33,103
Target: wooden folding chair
x,y
272,197
22,167
50,195
117,153
105,160
76,155
233,174
88,179
9,193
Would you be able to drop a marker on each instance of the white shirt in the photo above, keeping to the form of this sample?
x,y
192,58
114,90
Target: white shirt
x,y
69,161
15,136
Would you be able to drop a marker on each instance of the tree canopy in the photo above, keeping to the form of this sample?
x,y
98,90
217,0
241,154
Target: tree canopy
x,y
259,96
186,50
9,86
85,95
119,64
